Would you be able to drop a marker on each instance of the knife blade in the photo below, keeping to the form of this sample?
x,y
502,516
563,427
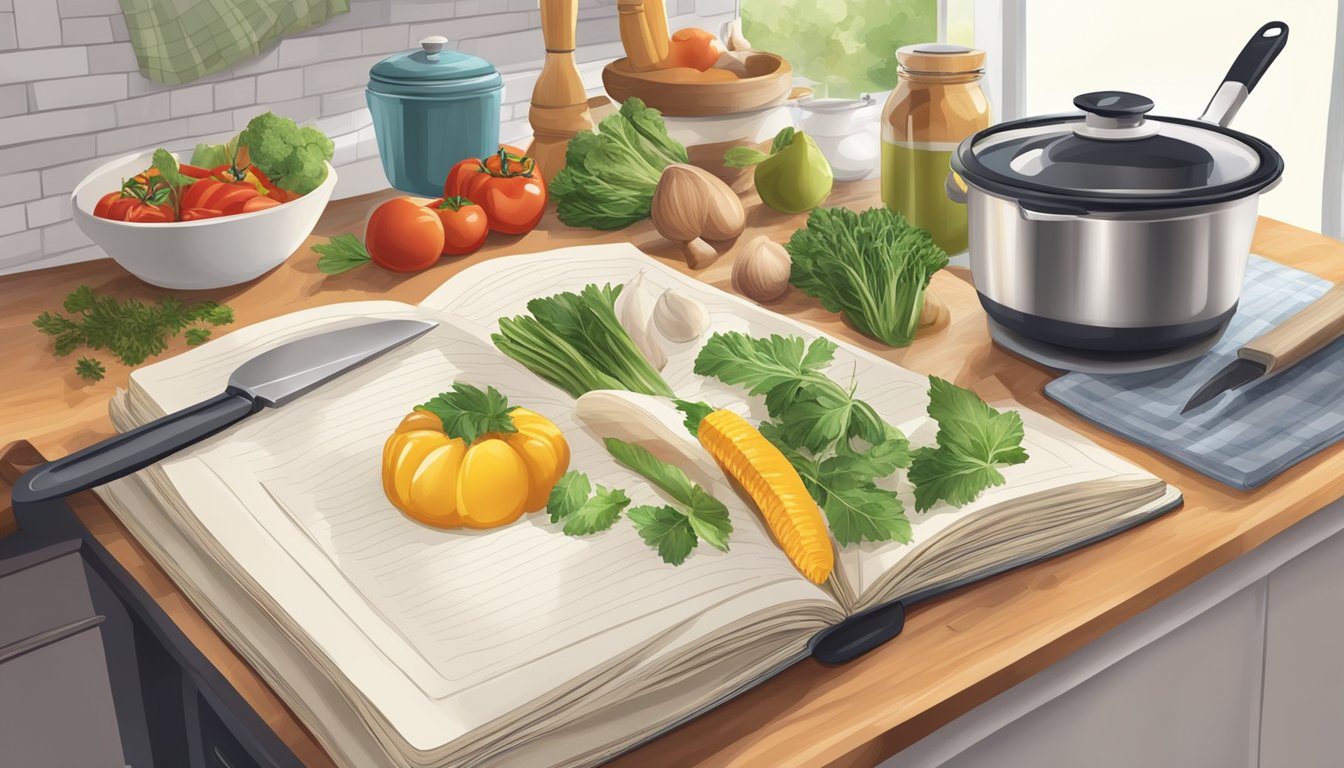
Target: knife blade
x,y
1280,348
269,380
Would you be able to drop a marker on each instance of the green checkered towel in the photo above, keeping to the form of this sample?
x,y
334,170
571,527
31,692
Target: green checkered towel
x,y
177,41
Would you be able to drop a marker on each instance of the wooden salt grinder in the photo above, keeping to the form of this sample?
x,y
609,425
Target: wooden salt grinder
x,y
559,104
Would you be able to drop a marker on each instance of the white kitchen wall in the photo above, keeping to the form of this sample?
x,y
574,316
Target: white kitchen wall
x,y
71,95
1176,52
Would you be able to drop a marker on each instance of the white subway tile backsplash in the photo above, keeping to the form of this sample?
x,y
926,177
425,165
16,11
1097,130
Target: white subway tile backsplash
x,y
112,57
86,30
344,101
13,99
471,7
297,51
236,93
43,154
423,11
12,219
12,265
532,5
217,122
48,210
78,91
119,30
20,187
191,100
146,109
9,36
62,237
335,125
7,5
145,136
280,86
715,7
385,40
298,110
38,23
362,14
20,248
506,48
265,62
88,7
343,150
360,178
331,76
61,122
366,142
21,66
62,179
518,86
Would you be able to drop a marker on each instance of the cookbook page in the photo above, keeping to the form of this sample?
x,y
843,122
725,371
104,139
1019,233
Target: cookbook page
x,y
481,622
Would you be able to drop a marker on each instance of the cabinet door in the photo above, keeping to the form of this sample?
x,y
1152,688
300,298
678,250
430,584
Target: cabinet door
x,y
1190,698
1303,723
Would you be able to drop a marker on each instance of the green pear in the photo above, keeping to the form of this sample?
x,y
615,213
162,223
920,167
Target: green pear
x,y
796,177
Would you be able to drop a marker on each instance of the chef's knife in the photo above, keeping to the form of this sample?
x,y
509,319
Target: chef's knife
x,y
271,379
1282,347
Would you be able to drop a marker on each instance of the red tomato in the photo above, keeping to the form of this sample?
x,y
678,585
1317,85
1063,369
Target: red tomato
x,y
146,213
259,203
464,225
113,206
506,185
404,236
195,214
211,193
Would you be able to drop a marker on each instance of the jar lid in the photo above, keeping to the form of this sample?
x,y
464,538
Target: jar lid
x,y
430,66
940,58
1115,157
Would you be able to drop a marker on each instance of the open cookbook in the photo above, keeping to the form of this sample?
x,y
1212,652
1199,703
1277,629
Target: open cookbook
x,y
406,645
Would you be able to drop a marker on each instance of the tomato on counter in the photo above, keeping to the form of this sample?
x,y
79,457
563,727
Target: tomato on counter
x,y
404,236
465,225
507,186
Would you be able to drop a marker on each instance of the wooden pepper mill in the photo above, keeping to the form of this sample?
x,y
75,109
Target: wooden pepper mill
x,y
559,104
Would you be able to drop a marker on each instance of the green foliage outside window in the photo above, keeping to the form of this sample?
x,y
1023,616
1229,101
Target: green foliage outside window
x,y
847,47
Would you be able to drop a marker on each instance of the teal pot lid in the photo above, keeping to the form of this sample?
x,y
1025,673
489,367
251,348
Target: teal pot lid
x,y
433,71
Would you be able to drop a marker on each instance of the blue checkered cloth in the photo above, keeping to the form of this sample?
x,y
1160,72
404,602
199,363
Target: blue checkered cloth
x,y
1244,437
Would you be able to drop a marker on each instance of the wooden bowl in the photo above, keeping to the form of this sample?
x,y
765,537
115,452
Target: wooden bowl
x,y
684,92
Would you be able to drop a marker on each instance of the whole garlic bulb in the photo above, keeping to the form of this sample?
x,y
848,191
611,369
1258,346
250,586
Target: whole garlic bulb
x,y
761,271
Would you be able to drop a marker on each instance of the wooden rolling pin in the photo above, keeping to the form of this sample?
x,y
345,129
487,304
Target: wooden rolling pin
x,y
559,104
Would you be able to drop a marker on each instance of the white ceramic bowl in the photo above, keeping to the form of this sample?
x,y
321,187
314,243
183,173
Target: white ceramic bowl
x,y
193,255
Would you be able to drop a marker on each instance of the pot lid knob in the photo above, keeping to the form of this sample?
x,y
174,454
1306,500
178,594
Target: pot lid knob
x,y
1114,115
433,44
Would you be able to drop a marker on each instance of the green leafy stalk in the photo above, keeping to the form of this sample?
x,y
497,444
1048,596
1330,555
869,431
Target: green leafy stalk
x,y
706,515
574,341
873,266
341,254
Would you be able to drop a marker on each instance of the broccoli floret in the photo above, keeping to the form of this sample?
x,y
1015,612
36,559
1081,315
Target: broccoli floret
x,y
293,158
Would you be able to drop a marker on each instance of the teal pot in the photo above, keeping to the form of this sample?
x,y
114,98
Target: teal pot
x,y
432,109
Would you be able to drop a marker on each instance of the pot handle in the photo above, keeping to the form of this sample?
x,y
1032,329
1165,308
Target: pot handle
x,y
1043,213
955,188
1251,64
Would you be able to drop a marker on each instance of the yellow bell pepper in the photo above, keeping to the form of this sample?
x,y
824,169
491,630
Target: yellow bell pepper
x,y
444,482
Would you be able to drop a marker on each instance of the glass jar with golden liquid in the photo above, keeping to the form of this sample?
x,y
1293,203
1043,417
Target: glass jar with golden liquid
x,y
937,102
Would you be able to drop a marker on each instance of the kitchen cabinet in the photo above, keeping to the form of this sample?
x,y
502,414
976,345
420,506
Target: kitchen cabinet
x,y
1242,669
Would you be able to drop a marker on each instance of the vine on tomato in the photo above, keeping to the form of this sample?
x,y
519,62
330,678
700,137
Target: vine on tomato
x,y
507,185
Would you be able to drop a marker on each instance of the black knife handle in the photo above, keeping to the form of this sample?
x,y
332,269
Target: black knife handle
x,y
121,455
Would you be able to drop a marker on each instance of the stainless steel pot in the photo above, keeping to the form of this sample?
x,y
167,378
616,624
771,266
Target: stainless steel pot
x,y
1112,230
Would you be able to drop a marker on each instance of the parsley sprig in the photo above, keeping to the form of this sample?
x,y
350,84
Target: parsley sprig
x,y
132,330
973,441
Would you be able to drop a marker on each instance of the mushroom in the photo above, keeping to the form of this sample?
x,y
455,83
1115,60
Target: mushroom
x,y
691,206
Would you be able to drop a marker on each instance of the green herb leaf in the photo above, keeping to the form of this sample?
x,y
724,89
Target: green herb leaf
x,y
973,440
164,162
597,513
708,516
865,513
341,254
665,529
467,412
762,364
567,495
743,157
782,139
873,266
89,369
82,299
695,413
294,158
197,336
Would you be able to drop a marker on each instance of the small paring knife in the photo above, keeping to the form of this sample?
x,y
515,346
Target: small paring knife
x,y
271,379
1280,348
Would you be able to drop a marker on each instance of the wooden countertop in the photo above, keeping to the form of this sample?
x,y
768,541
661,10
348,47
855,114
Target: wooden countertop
x,y
955,652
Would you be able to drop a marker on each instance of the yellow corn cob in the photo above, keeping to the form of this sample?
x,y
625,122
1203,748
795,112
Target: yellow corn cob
x,y
771,481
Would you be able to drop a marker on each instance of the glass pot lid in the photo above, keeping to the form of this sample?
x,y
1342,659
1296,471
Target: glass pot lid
x,y
1113,157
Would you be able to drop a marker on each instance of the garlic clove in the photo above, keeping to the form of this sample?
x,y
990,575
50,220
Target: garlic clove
x,y
679,317
634,311
761,270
